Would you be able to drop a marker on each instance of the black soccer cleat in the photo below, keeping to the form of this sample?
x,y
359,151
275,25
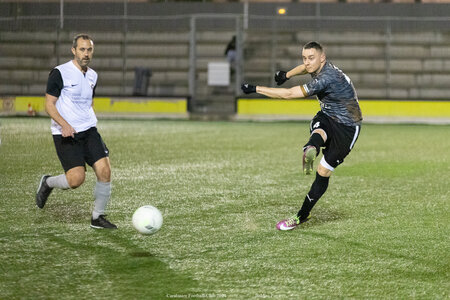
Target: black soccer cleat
x,y
43,192
101,223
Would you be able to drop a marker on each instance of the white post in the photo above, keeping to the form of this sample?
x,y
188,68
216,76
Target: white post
x,y
61,14
273,50
124,46
388,58
245,15
238,64
192,61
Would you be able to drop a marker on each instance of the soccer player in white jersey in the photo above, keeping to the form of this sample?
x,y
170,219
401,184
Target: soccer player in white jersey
x,y
68,101
335,128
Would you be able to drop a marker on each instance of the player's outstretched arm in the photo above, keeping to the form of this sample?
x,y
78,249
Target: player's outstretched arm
x,y
291,93
282,76
298,70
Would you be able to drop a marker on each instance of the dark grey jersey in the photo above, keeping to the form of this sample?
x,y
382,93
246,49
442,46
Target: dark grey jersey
x,y
336,95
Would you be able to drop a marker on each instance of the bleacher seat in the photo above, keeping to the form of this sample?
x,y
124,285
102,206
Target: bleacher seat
x,y
413,65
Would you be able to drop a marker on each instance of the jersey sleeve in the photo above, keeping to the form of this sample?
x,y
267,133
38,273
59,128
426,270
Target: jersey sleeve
x,y
314,87
54,83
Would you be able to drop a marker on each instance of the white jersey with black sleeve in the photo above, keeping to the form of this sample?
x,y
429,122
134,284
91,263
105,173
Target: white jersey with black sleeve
x,y
75,91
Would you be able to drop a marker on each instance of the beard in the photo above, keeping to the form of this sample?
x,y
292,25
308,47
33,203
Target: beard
x,y
84,62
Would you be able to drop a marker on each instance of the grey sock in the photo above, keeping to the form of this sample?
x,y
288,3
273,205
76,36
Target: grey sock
x,y
102,193
59,182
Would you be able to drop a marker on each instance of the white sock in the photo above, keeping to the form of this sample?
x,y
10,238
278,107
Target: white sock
x,y
59,182
102,193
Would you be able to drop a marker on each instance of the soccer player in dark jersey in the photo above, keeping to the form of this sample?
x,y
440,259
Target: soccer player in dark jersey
x,y
70,91
335,128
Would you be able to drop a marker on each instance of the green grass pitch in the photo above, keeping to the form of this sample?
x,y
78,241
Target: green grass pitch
x,y
380,231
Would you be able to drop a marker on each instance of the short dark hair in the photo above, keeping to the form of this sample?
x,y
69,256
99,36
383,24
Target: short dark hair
x,y
315,45
83,36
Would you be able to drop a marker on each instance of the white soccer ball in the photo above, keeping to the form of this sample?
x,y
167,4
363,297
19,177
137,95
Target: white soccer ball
x,y
147,219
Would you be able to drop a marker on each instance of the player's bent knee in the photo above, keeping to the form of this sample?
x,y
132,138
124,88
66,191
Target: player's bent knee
x,y
75,181
104,176
103,173
102,170
75,177
323,171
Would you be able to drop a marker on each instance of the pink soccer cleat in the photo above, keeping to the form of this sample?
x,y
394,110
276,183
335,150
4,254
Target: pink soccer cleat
x,y
291,223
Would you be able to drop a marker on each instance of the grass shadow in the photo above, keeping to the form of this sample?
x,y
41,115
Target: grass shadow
x,y
129,273
141,254
377,251
325,215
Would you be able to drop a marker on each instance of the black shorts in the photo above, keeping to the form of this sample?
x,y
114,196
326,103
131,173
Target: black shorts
x,y
85,147
340,138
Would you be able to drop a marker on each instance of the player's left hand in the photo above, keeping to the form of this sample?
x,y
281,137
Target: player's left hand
x,y
67,131
280,77
248,88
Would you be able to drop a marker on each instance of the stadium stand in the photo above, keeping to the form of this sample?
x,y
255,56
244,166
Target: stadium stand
x,y
411,66
407,64
419,64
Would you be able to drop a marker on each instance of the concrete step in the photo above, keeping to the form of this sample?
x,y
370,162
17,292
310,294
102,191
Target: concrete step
x,y
38,50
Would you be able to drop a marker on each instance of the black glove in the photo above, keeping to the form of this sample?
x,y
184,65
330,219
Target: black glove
x,y
248,88
280,77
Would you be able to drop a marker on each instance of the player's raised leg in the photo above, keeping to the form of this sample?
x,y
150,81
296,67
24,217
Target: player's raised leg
x,y
312,149
43,191
72,179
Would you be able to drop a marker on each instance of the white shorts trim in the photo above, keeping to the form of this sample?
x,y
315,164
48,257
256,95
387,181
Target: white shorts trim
x,y
326,136
325,164
354,137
